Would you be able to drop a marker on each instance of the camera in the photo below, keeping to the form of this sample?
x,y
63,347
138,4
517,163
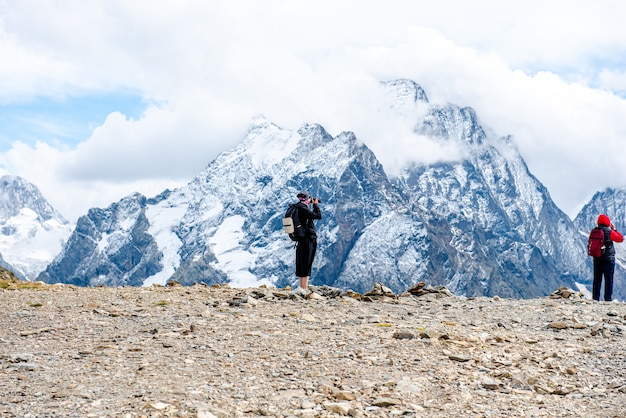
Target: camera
x,y
316,198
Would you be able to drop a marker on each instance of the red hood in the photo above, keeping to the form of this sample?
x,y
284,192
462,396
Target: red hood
x,y
604,220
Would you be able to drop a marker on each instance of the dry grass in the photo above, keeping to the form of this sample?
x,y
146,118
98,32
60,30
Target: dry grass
x,y
9,281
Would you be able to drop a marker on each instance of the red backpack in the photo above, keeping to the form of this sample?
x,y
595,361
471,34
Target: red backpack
x,y
595,243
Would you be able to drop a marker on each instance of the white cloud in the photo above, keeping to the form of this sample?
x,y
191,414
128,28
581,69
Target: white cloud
x,y
547,73
613,81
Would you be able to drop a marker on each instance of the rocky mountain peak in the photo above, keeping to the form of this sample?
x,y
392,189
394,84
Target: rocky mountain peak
x,y
17,194
32,232
405,91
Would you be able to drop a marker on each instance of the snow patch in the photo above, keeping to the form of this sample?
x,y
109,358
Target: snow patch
x,y
269,147
162,217
232,259
28,244
103,244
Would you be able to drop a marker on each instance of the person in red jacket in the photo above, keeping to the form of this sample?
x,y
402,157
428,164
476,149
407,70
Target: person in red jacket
x,y
605,264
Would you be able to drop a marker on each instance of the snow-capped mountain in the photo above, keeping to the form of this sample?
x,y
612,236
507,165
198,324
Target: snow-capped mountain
x,y
32,232
500,231
479,223
610,202
225,225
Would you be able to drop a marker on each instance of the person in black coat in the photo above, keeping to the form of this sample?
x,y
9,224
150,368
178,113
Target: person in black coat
x,y
306,247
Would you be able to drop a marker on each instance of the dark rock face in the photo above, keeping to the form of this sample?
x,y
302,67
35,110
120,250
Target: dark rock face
x,y
128,255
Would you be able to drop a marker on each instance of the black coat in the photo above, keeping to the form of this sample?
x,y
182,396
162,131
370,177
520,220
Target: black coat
x,y
307,216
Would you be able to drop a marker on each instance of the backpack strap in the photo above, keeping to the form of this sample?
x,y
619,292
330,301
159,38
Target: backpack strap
x,y
607,237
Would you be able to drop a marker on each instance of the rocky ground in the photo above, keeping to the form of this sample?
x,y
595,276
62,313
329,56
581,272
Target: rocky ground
x,y
204,351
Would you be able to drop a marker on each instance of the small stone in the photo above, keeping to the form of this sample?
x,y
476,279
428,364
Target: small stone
x,y
345,396
460,358
490,384
159,406
309,318
595,330
385,402
342,408
403,335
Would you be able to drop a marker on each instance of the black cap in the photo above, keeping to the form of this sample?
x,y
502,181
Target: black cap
x,y
303,193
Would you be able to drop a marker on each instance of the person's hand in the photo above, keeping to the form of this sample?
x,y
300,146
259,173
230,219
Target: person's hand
x,y
316,201
612,226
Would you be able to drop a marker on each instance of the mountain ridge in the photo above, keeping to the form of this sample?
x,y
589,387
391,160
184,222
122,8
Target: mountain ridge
x,y
32,232
477,222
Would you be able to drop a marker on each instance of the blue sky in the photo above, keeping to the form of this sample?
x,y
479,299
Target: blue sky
x,y
103,98
67,121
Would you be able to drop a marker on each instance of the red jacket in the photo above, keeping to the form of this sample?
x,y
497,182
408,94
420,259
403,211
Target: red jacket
x,y
616,236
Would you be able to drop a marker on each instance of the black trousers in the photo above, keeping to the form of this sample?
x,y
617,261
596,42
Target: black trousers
x,y
603,268
305,254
